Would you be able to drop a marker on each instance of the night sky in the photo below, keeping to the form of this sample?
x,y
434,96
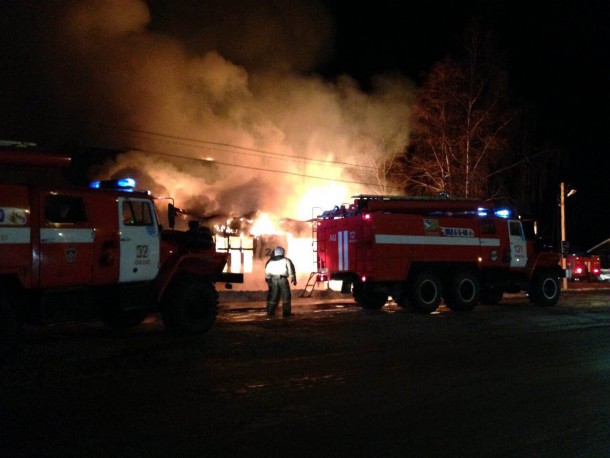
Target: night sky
x,y
557,54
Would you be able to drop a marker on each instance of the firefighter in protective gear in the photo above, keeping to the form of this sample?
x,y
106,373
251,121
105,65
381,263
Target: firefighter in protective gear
x,y
278,270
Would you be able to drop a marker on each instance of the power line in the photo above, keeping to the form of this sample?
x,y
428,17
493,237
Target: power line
x,y
261,169
182,140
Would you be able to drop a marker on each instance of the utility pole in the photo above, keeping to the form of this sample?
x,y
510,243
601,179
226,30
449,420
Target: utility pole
x,y
564,248
562,205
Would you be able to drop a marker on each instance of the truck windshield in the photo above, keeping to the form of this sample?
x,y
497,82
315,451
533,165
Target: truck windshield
x,y
137,213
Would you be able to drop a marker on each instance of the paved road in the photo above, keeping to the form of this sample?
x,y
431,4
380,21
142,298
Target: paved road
x,y
508,380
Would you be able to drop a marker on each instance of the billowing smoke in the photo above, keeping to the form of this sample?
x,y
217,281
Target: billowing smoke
x,y
230,86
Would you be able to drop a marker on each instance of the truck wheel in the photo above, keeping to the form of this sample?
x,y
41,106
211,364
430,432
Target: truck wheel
x,y
367,298
10,324
425,293
544,289
189,306
463,293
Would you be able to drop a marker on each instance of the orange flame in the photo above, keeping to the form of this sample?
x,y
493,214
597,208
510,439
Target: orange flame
x,y
264,225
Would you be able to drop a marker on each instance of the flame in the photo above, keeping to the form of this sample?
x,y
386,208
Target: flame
x,y
300,251
250,248
315,198
264,225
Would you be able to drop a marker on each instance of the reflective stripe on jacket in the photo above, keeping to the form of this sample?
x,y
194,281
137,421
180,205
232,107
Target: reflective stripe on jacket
x,y
280,266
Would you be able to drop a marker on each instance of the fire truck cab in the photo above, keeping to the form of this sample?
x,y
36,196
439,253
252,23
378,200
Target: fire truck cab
x,y
421,251
70,253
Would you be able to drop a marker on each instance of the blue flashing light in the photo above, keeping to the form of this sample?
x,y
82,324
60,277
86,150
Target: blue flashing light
x,y
503,213
122,184
126,183
482,211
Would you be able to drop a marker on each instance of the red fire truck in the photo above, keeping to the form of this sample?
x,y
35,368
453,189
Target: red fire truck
x,y
84,253
583,268
420,251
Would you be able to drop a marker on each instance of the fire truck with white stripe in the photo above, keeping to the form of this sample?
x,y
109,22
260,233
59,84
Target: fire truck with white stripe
x,y
71,254
420,251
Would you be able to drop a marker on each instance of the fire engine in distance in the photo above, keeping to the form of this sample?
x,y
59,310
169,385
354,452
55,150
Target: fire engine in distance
x,y
69,254
583,268
420,251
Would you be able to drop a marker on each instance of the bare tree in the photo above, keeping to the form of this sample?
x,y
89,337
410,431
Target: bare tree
x,y
381,170
386,173
458,123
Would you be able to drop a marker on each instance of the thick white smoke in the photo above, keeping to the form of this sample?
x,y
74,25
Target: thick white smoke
x,y
229,85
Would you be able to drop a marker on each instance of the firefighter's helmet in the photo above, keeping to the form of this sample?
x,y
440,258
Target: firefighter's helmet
x,y
279,251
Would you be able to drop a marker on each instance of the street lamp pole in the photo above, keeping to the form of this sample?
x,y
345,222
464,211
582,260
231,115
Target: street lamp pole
x,y
564,248
562,201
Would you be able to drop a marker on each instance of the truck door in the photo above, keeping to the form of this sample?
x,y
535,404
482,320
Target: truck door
x,y
139,240
518,247
66,240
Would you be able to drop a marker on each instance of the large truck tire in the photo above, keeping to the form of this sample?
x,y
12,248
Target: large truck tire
x,y
189,306
425,292
463,292
10,324
367,298
544,289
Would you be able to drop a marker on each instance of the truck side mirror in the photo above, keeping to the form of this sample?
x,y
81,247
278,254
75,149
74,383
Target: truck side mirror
x,y
171,215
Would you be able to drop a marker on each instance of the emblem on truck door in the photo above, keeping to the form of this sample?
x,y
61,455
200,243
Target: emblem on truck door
x,y
70,255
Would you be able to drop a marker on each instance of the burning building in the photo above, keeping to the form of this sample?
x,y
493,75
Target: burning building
x,y
222,108
250,241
